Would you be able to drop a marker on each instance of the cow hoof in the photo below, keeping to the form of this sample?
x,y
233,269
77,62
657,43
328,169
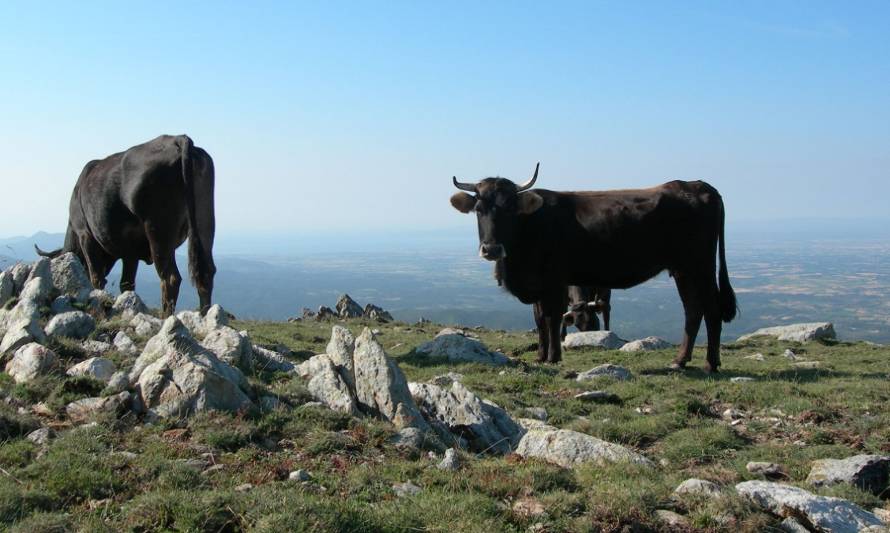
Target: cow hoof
x,y
678,366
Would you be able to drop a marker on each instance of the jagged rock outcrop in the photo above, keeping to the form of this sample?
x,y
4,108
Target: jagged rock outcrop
x,y
19,273
455,346
868,472
796,332
199,326
7,287
373,312
820,513
340,349
605,340
568,448
268,360
175,376
380,385
31,361
646,344
73,324
466,418
347,307
326,384
124,343
229,346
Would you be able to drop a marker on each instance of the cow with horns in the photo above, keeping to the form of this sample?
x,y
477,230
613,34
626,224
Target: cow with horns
x,y
141,204
548,240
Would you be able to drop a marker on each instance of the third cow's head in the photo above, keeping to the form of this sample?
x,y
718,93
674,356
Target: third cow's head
x,y
498,203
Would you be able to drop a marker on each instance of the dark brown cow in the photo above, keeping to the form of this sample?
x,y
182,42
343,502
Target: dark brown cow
x,y
142,204
548,240
584,304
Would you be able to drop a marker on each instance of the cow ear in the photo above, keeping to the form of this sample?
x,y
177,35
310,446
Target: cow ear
x,y
463,202
529,202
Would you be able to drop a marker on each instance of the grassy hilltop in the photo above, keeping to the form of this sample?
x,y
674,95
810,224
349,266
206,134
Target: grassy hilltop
x,y
191,476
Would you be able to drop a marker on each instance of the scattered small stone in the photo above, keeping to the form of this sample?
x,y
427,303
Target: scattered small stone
x,y
406,489
213,468
796,332
790,355
607,370
445,380
806,364
672,519
755,357
538,413
299,475
768,470
732,414
97,368
592,339
451,460
73,324
597,396
528,507
647,344
699,487
40,436
244,487
30,361
741,379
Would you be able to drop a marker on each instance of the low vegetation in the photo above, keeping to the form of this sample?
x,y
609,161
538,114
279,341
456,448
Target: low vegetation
x,y
224,472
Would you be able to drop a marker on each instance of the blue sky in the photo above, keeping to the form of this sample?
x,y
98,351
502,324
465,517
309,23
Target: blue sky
x,y
352,116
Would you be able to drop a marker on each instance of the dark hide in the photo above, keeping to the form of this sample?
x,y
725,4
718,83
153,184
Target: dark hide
x,y
584,304
548,240
142,204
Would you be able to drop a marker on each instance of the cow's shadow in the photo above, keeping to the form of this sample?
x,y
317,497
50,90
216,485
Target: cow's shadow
x,y
801,375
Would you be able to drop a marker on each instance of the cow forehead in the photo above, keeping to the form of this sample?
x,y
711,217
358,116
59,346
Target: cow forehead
x,y
490,187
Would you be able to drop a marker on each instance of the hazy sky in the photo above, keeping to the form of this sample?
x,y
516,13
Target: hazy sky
x,y
345,116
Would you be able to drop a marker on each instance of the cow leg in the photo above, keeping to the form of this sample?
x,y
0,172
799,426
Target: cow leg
x,y
553,307
693,310
606,312
595,320
543,332
713,323
128,275
164,258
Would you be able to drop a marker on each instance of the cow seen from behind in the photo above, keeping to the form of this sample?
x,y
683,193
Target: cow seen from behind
x,y
584,305
141,204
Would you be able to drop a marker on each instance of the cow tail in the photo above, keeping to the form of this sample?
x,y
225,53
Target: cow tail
x,y
728,304
197,176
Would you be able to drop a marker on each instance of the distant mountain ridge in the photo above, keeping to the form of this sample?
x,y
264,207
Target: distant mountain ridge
x,y
22,248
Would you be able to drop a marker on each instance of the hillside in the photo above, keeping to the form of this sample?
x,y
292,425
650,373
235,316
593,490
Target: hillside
x,y
230,472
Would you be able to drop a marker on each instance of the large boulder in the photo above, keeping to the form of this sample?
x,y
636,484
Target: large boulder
x,y
568,448
820,513
31,361
868,472
19,273
380,385
73,324
484,426
326,384
175,376
128,305
70,278
347,307
21,325
124,343
7,286
42,270
340,349
605,340
607,370
796,332
229,346
456,347
646,344
98,368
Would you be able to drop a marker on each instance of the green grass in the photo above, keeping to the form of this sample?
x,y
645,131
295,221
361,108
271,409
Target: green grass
x,y
82,481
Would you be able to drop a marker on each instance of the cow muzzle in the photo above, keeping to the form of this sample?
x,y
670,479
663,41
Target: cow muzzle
x,y
492,252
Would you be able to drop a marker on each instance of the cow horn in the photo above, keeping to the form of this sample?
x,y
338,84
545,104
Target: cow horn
x,y
528,185
463,186
52,255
